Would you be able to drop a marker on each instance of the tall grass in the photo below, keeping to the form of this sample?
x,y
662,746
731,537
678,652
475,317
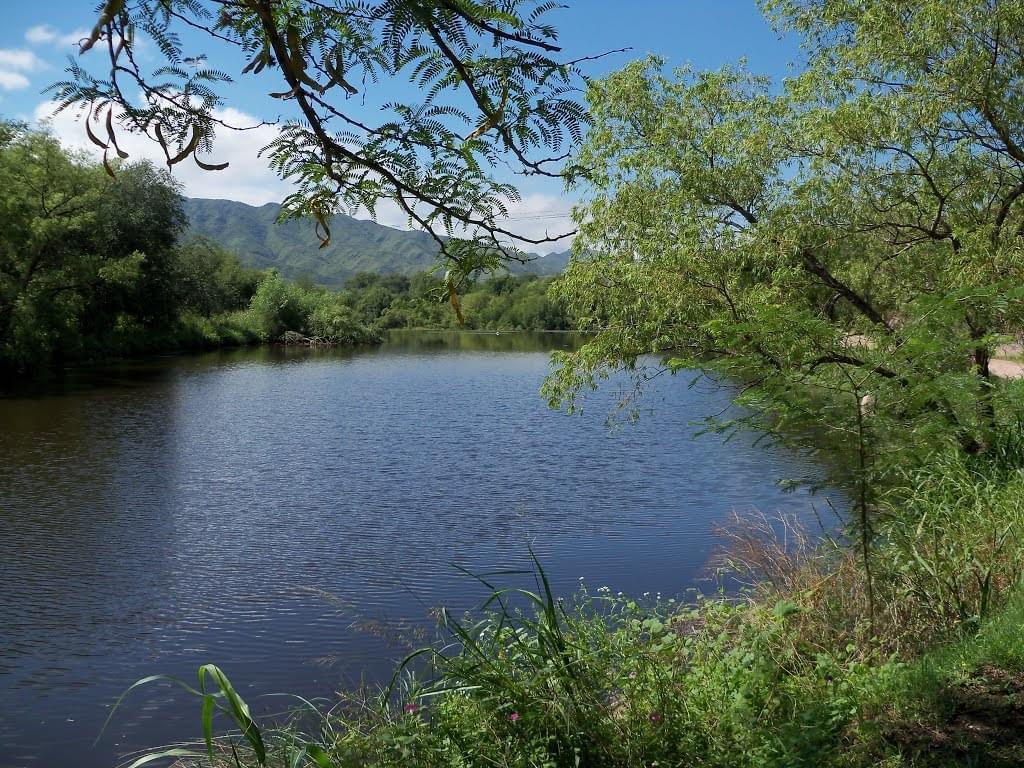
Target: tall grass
x,y
791,672
598,680
951,544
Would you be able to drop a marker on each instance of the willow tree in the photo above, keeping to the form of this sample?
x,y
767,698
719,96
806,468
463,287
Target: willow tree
x,y
848,242
489,93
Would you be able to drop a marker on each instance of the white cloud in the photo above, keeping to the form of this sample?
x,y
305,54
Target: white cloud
x,y
21,60
41,33
10,81
539,216
14,64
536,216
44,34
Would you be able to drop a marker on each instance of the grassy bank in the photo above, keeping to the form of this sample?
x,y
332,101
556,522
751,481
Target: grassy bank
x,y
804,668
275,311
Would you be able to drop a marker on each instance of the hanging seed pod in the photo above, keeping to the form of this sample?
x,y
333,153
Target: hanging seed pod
x,y
188,150
162,142
110,133
107,14
322,226
210,166
287,94
92,136
336,70
453,296
107,167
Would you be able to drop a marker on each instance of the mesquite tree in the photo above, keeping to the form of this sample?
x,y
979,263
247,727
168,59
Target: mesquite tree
x,y
488,93
848,242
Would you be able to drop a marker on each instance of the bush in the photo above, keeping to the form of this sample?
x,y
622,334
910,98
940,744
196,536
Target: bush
x,y
333,321
599,681
279,306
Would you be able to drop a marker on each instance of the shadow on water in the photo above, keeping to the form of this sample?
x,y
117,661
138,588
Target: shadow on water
x,y
163,513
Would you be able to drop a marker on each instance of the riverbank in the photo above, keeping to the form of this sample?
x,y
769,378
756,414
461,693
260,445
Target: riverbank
x,y
283,312
812,665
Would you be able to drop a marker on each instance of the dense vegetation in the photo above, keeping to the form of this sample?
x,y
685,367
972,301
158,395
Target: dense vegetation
x,y
90,267
93,267
261,240
849,246
494,303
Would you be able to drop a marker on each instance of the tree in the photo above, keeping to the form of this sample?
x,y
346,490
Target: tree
x,y
488,91
209,279
77,251
141,213
47,202
847,243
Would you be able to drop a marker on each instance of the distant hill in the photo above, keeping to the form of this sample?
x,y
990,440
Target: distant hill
x,y
293,249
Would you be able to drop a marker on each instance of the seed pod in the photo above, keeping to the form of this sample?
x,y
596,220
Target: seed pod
x,y
210,166
107,168
188,150
453,298
110,10
110,132
287,94
162,141
321,224
92,136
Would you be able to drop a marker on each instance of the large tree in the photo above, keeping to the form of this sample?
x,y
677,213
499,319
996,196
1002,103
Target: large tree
x,y
488,93
47,209
848,242
78,251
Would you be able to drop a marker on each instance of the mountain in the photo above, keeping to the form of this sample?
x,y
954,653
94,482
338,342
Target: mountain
x,y
293,249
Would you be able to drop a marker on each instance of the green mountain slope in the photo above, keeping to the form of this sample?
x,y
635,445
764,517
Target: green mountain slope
x,y
293,249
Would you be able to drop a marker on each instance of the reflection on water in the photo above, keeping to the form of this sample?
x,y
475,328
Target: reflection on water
x,y
158,514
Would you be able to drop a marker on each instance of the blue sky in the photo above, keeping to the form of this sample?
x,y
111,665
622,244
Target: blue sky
x,y
37,38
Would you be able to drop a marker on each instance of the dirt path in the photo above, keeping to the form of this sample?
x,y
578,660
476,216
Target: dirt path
x,y
1006,369
1008,362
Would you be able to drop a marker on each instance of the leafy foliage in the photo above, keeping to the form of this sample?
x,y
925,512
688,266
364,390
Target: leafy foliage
x,y
90,267
77,253
846,242
502,302
490,92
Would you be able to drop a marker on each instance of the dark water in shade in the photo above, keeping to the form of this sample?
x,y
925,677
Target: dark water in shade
x,y
162,514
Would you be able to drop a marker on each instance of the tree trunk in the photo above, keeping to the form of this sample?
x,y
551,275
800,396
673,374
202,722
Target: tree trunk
x,y
986,408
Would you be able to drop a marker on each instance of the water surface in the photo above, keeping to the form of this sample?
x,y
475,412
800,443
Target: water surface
x,y
161,514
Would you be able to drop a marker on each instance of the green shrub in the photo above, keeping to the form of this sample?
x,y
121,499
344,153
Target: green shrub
x,y
597,681
951,543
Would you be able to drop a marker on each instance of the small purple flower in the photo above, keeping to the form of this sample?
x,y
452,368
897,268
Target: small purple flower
x,y
655,717
514,717
411,709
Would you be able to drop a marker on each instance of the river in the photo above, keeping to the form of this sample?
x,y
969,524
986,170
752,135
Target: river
x,y
293,515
